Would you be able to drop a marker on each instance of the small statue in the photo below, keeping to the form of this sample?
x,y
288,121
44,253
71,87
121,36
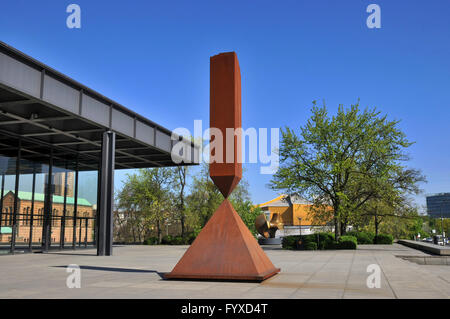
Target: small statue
x,y
266,228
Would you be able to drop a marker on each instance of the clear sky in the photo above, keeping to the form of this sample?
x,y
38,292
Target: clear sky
x,y
153,57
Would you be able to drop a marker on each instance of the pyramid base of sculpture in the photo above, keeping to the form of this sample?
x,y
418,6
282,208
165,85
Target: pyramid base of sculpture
x,y
224,250
212,277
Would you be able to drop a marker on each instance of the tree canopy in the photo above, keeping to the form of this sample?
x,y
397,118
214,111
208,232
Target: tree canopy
x,y
345,161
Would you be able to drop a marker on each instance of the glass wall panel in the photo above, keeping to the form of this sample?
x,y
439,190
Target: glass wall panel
x,y
8,181
66,205
87,208
30,205
72,219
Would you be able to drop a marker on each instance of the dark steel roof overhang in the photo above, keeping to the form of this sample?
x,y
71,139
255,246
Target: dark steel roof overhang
x,y
48,110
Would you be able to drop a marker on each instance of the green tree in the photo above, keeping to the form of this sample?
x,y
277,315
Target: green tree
x,y
205,198
148,198
179,185
130,224
343,161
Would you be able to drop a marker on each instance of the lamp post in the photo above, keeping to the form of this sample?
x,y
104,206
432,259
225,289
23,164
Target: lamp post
x,y
442,221
300,224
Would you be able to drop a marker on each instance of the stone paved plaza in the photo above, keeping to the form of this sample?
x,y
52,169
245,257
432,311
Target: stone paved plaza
x,y
135,272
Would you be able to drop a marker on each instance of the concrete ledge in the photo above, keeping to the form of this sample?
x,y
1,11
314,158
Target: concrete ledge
x,y
430,248
428,260
270,241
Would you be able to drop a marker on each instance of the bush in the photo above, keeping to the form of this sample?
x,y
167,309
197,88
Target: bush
x,y
325,240
151,241
347,242
290,242
177,241
383,239
363,238
331,244
166,240
310,246
318,241
190,237
306,240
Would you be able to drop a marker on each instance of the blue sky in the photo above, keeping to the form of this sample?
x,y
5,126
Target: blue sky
x,y
153,56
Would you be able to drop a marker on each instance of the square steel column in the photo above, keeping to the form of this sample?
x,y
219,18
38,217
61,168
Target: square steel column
x,y
48,199
33,190
1,201
75,208
16,200
106,188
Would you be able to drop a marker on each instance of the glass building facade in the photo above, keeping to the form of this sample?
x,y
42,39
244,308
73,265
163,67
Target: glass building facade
x,y
438,205
60,143
42,205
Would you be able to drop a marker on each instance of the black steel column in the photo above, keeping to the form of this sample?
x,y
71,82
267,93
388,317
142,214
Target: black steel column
x,y
62,234
33,189
1,201
75,207
105,205
46,229
79,232
16,197
97,211
86,232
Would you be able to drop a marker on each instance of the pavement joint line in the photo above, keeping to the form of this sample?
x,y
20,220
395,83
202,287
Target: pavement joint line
x,y
444,279
319,274
348,274
427,274
309,278
385,276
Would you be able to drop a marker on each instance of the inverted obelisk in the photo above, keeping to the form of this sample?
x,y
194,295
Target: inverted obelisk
x,y
225,249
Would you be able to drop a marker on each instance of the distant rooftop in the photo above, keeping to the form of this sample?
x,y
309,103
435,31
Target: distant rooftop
x,y
39,197
285,201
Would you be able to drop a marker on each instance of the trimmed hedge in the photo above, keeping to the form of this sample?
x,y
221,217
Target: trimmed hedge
x,y
363,238
318,241
383,239
172,240
324,240
151,241
347,242
290,242
311,246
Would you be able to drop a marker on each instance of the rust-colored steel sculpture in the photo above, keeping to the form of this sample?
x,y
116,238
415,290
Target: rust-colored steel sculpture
x,y
225,249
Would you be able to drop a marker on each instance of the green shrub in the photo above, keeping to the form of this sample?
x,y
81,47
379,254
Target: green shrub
x,y
363,238
312,238
383,239
290,242
305,240
318,241
166,240
177,241
151,241
190,237
324,240
347,242
331,244
310,246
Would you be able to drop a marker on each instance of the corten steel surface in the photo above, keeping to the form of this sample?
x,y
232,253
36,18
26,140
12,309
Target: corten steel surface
x,y
225,112
225,249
